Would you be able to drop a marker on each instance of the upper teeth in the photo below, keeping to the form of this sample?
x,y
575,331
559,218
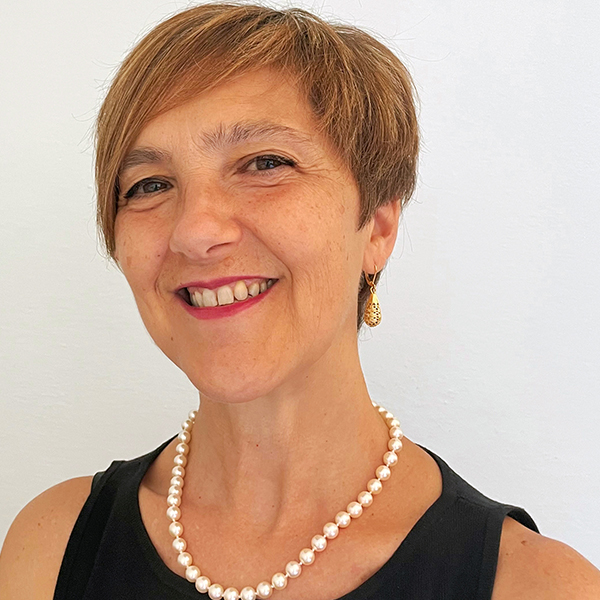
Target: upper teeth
x,y
227,294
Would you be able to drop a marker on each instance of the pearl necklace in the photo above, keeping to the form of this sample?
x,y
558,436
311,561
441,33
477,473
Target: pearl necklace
x,y
307,555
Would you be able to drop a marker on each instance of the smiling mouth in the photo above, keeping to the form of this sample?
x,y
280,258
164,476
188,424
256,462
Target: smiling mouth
x,y
225,295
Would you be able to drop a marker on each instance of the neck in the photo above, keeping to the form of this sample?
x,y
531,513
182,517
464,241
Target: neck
x,y
307,449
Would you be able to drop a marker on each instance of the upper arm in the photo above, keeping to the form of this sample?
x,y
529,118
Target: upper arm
x,y
35,544
534,567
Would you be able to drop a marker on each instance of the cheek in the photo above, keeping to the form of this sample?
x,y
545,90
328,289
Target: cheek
x,y
139,251
323,254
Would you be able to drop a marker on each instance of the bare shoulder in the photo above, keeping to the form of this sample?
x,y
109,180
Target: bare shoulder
x,y
35,544
534,567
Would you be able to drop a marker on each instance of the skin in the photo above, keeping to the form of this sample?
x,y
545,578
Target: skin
x,y
281,384
284,408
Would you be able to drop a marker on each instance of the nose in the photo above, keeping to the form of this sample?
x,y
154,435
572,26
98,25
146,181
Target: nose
x,y
204,226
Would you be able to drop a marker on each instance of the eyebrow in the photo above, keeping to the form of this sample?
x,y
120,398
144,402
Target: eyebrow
x,y
143,156
223,136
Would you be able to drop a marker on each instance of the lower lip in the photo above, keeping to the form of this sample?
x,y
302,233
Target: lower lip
x,y
218,312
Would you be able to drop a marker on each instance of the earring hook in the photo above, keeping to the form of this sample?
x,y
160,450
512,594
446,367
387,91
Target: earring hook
x,y
372,282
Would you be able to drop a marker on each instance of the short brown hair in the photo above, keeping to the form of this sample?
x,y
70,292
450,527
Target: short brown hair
x,y
362,95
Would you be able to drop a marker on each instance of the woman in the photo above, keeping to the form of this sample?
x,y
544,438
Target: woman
x,y
251,169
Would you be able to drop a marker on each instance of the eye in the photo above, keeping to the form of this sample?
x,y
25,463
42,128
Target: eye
x,y
269,162
147,186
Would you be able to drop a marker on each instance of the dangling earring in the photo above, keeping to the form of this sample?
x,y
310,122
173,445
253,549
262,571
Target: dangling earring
x,y
372,316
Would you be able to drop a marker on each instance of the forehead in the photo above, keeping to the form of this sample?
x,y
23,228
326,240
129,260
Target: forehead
x,y
260,104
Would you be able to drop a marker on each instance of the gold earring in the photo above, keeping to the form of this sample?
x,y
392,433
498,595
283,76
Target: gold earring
x,y
372,316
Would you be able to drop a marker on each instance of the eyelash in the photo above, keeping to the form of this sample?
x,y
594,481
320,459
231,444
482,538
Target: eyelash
x,y
133,191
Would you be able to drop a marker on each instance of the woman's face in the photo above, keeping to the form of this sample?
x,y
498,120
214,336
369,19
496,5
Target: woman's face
x,y
237,183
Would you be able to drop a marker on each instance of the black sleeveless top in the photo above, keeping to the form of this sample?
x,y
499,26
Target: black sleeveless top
x,y
450,554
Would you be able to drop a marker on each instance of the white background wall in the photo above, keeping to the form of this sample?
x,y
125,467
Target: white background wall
x,y
490,342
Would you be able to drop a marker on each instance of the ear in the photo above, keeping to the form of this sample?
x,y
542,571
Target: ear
x,y
384,230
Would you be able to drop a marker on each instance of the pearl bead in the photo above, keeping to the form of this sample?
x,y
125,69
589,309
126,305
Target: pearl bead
x,y
264,590
293,568
182,448
180,459
354,510
343,519
203,583
395,444
184,559
279,581
177,480
176,529
185,437
192,573
382,410
179,544
173,513
192,415
178,471
389,415
394,423
187,425
215,591
175,490
365,498
396,432
383,472
231,593
374,486
390,458
248,593
173,500
319,543
330,530
307,556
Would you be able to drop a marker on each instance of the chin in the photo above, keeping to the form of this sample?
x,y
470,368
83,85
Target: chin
x,y
234,382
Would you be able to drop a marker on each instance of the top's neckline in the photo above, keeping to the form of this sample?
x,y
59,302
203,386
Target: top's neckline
x,y
409,545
